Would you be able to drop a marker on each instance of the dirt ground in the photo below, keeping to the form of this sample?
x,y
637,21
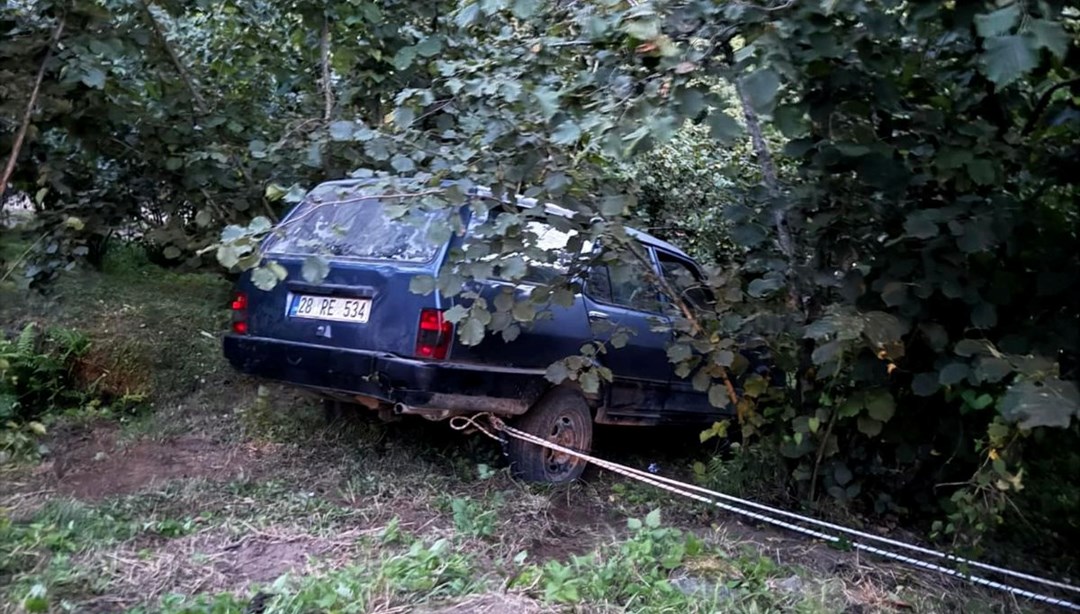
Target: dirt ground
x,y
98,462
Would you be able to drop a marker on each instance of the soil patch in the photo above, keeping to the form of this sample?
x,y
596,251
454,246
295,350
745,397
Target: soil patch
x,y
91,465
491,603
575,525
209,562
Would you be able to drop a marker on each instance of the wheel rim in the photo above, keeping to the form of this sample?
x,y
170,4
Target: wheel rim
x,y
565,432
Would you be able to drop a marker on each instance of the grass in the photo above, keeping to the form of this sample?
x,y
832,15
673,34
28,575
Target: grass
x,y
226,496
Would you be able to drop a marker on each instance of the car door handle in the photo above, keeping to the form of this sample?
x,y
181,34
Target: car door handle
x,y
598,315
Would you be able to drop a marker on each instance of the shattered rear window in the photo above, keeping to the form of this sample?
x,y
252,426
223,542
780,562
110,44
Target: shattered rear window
x,y
345,225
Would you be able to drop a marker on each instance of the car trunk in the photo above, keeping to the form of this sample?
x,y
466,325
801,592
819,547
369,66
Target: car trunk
x,y
364,303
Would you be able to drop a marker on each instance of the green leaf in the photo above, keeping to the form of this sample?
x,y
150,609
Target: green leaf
x,y
652,519
468,15
524,9
760,88
341,130
279,271
633,524
869,426
748,235
557,372
992,370
827,352
718,396
456,314
548,100
430,46
504,301
842,474
422,284
691,102
1053,404
723,127
402,164
513,268
524,311
613,205
227,256
203,218
851,407
511,332
880,405
1049,35
471,332
678,352
1007,58
404,58
94,78
701,380
764,286
999,22
981,171
260,225
590,382
566,133
724,358
921,226
813,423
755,385
315,269
264,278
973,347
620,339
894,293
953,374
37,599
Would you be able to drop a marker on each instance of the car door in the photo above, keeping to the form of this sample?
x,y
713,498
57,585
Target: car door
x,y
640,369
683,403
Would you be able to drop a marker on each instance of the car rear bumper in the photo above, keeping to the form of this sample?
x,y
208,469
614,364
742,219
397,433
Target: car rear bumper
x,y
412,386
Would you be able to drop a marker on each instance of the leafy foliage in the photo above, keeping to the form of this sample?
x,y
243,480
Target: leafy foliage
x,y
36,378
911,263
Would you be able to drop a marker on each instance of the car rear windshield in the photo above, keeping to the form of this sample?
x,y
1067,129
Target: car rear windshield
x,y
347,225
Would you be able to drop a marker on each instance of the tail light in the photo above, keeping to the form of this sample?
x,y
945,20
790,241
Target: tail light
x,y
434,336
239,313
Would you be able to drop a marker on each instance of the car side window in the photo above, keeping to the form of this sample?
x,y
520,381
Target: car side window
x,y
684,280
544,238
631,288
598,284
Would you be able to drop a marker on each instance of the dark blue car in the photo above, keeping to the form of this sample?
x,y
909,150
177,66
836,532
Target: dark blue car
x,y
362,336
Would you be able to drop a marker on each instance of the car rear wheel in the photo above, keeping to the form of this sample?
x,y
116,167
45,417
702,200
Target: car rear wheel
x,y
561,417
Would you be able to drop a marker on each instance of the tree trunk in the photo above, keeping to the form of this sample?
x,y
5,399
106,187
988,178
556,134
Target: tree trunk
x,y
20,136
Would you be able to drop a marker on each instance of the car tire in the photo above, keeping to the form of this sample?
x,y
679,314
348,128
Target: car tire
x,y
562,417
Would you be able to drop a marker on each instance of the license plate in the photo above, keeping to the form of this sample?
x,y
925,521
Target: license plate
x,y
336,308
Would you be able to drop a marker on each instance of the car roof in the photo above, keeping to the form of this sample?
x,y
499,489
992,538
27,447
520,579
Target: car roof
x,y
644,237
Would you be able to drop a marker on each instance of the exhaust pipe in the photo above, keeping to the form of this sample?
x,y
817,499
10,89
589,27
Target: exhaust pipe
x,y
400,408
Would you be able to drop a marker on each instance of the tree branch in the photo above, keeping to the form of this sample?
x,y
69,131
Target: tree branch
x,y
768,174
1044,100
159,33
9,168
324,46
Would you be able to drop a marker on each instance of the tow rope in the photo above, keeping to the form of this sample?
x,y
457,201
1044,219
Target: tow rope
x,y
692,491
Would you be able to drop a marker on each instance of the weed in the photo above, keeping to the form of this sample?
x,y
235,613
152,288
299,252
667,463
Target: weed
x,y
424,572
756,471
36,379
474,518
